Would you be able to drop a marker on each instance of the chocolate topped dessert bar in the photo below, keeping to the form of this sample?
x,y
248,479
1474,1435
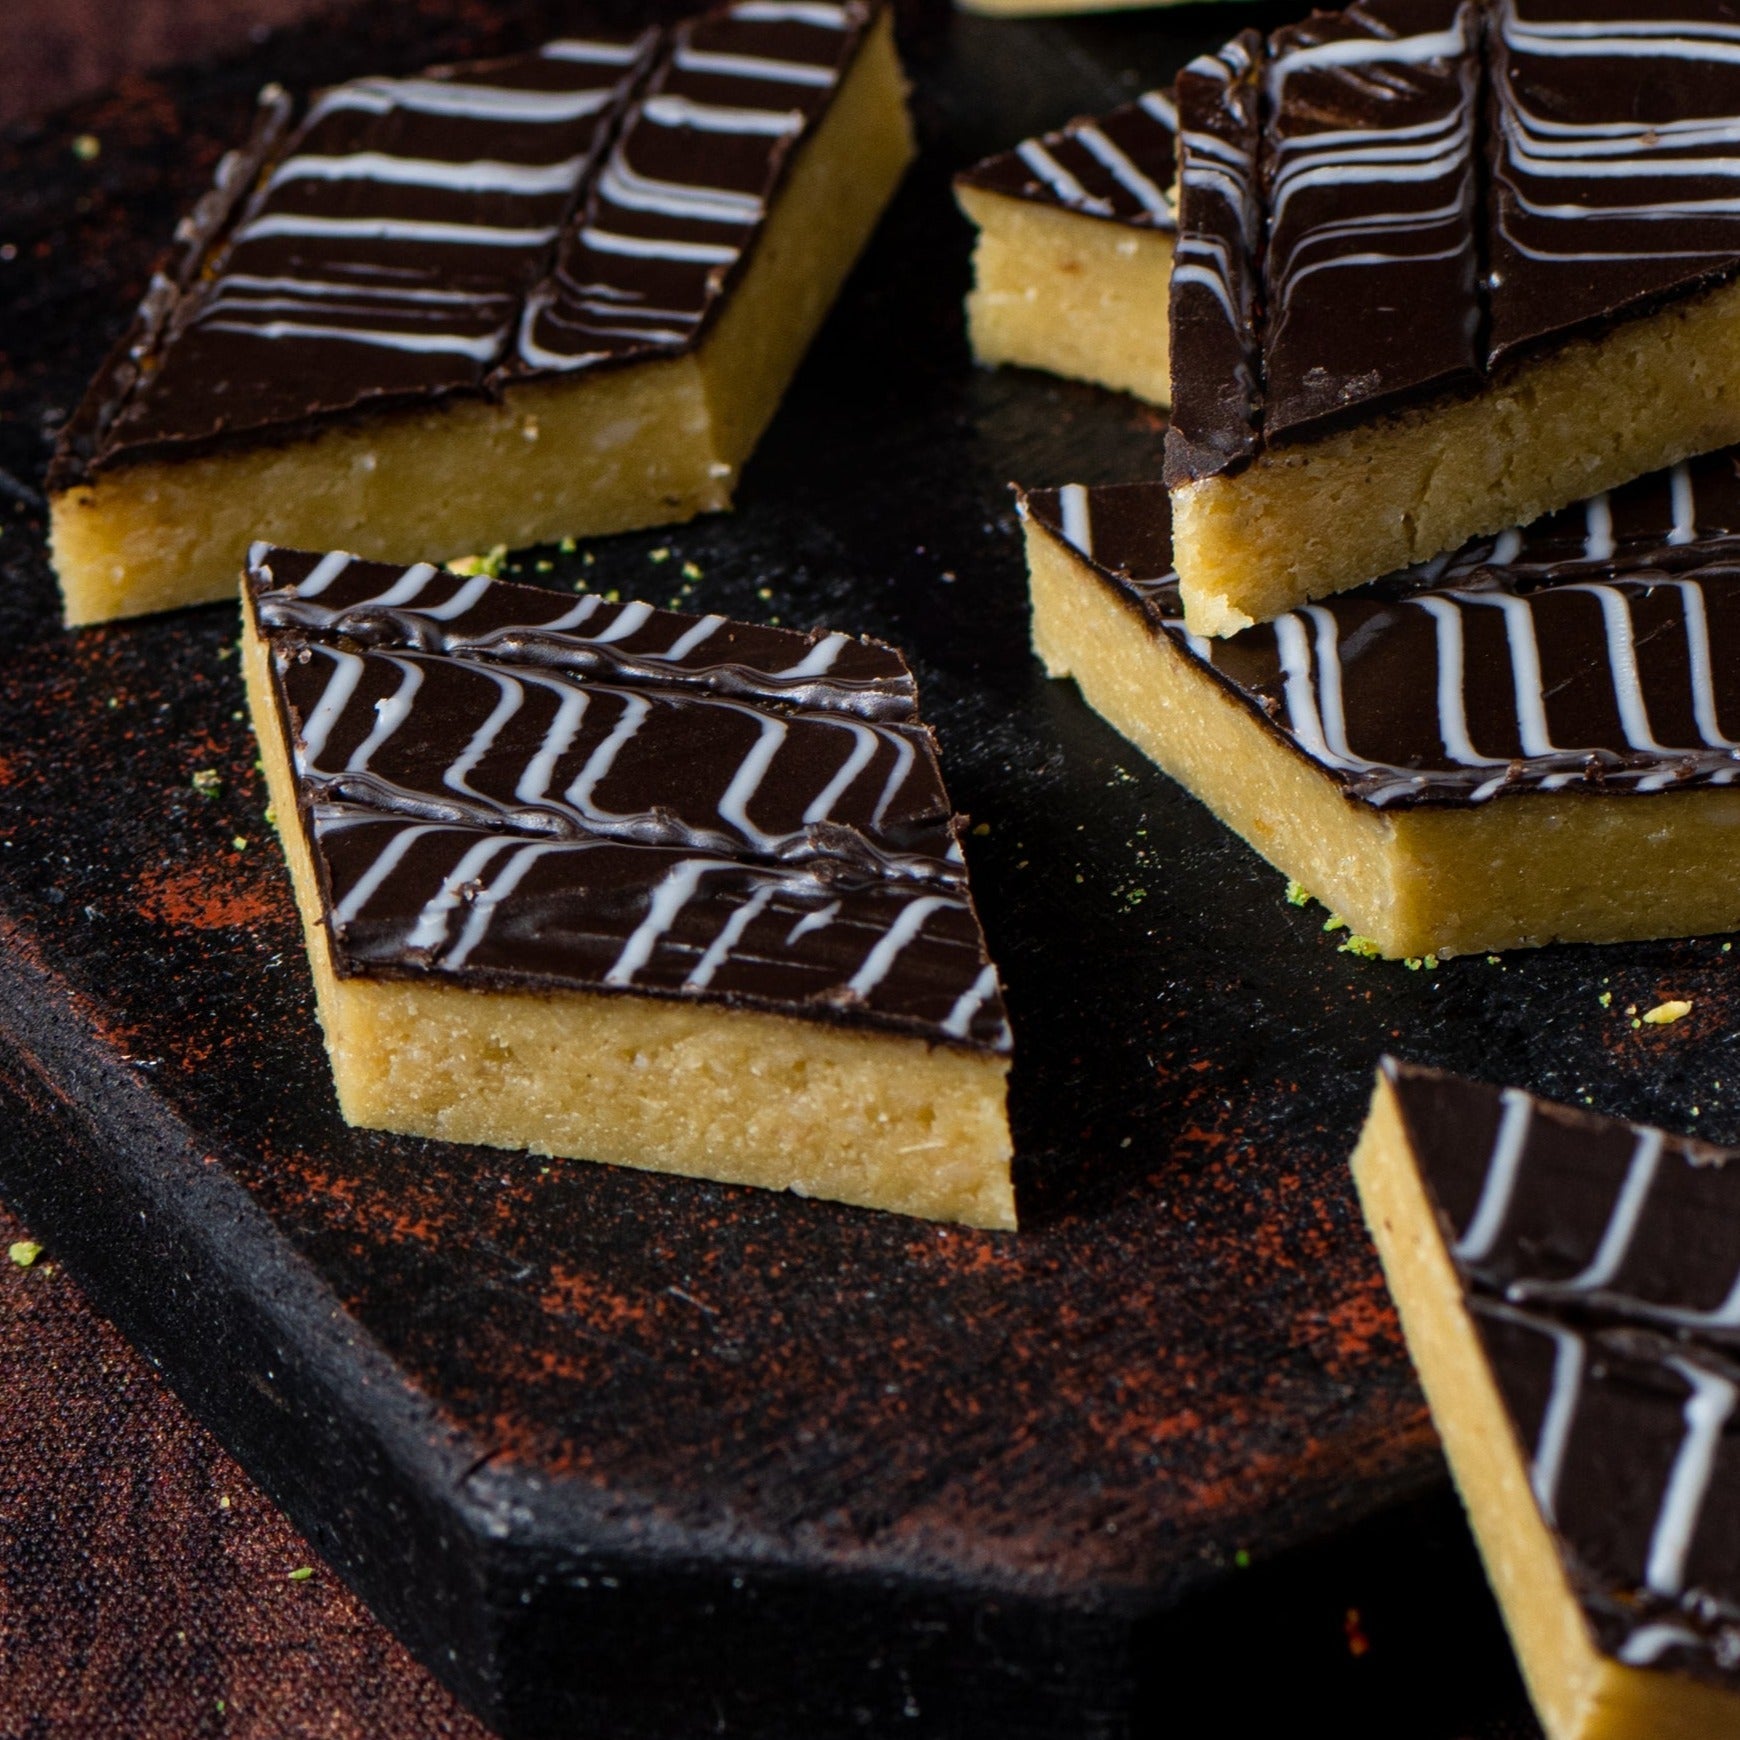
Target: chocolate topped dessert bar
x,y
613,882
1536,740
1074,254
1570,1290
1443,266
553,295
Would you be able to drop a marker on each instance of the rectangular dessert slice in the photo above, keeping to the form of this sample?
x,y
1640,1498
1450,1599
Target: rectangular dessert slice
x,y
1397,326
1536,741
557,295
611,882
1568,1287
1073,261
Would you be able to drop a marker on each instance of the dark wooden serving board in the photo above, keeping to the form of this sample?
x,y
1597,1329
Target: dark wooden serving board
x,y
640,1456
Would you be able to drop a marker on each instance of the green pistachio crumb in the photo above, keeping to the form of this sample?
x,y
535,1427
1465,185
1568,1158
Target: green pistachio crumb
x,y
240,842
207,782
544,565
1297,893
1242,1559
613,596
24,1252
87,147
1605,999
1362,946
764,593
1492,960
490,565
302,1573
1664,1014
271,814
1334,922
567,546
661,554
690,571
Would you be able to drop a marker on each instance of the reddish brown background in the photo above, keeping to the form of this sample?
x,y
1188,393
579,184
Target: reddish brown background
x,y
133,1601
52,50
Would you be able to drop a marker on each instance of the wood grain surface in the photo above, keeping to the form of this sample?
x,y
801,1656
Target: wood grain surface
x,y
842,1473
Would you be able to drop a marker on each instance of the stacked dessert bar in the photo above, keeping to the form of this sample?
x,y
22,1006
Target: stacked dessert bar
x,y
1434,270
1438,606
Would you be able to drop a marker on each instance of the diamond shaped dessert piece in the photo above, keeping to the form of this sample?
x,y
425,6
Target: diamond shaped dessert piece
x,y
1567,1284
624,884
1536,740
555,295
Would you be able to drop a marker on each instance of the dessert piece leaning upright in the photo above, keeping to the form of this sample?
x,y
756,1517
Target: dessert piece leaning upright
x,y
1569,1286
1443,266
1073,262
612,882
554,295
1535,741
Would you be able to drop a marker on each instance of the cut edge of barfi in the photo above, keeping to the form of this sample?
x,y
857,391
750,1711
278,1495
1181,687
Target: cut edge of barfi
x,y
637,444
870,1118
1517,872
1071,293
1303,521
1578,1692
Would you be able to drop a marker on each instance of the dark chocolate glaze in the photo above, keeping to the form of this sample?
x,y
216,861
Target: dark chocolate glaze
x,y
1411,250
1601,1263
1597,651
1216,272
669,220
509,786
1615,183
1120,166
1369,189
410,240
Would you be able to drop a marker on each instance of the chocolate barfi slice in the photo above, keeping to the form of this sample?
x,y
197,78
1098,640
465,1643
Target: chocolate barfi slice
x,y
612,882
554,295
1073,260
1443,266
1570,1290
1537,740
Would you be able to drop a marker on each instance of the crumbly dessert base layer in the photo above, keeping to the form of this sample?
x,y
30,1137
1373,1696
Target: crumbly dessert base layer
x,y
1078,296
604,451
1579,1693
1515,872
744,1097
1305,521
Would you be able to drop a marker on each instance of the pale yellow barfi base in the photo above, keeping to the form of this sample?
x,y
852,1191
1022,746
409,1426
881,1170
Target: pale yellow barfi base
x,y
1511,873
1078,296
1308,520
1579,1693
603,451
747,1098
